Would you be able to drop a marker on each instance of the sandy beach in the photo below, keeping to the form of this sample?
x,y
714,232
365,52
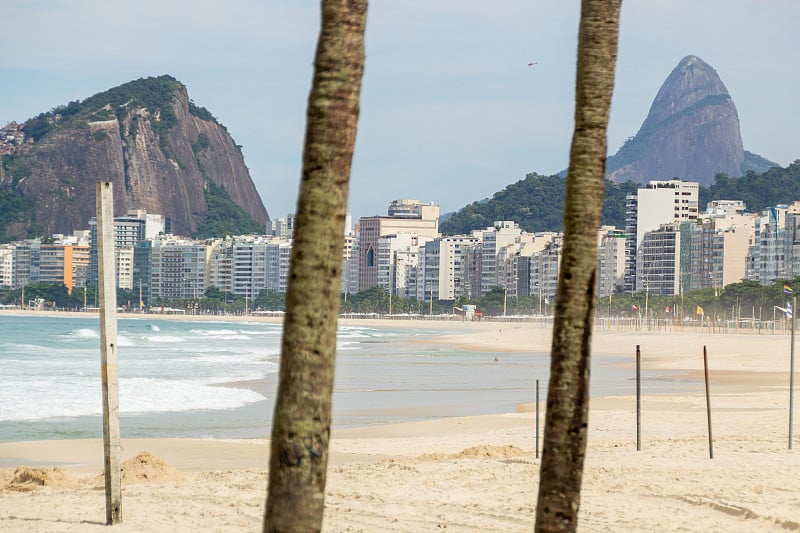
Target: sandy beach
x,y
473,473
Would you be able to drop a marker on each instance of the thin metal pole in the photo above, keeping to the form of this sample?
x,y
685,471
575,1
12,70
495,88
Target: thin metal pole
x,y
638,399
791,371
109,367
708,406
537,418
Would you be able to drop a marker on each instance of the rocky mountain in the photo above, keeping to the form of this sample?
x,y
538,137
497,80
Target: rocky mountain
x,y
161,152
691,132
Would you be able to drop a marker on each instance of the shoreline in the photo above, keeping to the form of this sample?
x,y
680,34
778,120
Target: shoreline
x,y
478,473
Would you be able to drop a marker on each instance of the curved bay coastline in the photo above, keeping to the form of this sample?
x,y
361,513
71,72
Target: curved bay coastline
x,y
479,473
388,371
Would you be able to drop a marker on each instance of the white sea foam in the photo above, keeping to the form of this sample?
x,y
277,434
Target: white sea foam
x,y
163,338
51,398
84,333
165,367
122,340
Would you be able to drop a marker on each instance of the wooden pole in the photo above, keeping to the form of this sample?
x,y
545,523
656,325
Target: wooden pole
x,y
708,406
791,371
108,350
537,418
638,400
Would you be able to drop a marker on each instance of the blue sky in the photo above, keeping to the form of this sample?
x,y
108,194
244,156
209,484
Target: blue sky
x,y
450,113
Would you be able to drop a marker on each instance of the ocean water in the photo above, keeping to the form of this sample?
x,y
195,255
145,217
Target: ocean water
x,y
218,379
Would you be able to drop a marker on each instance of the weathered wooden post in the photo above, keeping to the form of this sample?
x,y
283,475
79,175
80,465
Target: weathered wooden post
x,y
708,405
109,367
638,399
537,418
791,370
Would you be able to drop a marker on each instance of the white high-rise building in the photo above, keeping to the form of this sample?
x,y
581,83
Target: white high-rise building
x,y
659,203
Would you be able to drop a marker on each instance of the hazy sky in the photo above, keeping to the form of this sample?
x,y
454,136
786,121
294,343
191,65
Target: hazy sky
x,y
451,112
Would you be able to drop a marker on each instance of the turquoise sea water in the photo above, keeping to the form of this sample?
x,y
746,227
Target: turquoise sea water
x,y
218,379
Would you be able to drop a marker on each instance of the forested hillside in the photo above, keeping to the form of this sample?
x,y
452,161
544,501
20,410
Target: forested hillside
x,y
536,203
759,191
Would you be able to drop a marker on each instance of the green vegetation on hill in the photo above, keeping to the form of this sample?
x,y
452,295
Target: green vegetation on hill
x,y
759,191
755,163
537,202
15,208
154,94
225,217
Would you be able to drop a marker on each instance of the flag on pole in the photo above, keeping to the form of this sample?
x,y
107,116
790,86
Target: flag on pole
x,y
787,289
700,311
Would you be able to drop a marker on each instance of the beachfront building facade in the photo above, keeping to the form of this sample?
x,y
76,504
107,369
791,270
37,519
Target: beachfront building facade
x,y
350,264
658,203
410,217
177,269
658,261
775,251
610,260
501,244
766,259
278,259
129,230
792,241
718,243
398,255
544,269
446,267
63,264
6,266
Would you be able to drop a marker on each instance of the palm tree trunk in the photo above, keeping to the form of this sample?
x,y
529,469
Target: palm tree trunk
x,y
564,445
301,424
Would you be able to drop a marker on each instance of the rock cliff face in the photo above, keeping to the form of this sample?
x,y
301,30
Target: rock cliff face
x,y
691,132
160,152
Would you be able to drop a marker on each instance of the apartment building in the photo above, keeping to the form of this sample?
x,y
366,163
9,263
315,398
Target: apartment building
x,y
658,262
658,203
611,244
404,217
130,229
447,268
6,266
63,264
278,260
177,269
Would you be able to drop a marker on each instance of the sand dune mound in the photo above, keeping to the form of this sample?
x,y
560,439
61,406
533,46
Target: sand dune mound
x,y
25,478
146,467
484,451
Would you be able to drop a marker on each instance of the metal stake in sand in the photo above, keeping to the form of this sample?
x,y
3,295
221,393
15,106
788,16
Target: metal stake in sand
x,y
537,419
638,400
791,371
109,367
708,406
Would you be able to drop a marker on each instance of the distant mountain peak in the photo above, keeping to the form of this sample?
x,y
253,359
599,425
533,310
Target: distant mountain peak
x,y
691,131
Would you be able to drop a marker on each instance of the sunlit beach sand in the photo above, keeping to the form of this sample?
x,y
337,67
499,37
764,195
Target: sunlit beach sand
x,y
476,473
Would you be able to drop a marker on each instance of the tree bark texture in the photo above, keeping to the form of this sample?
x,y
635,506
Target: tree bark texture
x,y
564,444
302,419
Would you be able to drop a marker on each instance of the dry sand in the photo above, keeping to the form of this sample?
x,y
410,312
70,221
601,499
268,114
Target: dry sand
x,y
475,473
